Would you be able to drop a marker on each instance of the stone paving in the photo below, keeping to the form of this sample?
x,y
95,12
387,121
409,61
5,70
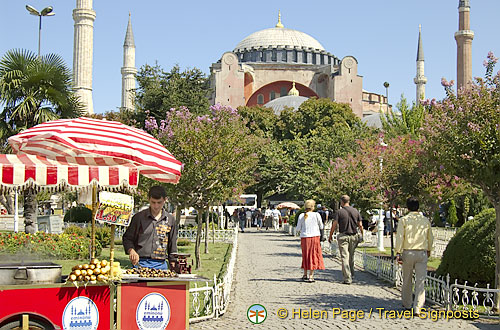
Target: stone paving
x,y
268,273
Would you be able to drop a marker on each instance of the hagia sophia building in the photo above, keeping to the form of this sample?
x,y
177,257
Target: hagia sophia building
x,y
276,67
270,63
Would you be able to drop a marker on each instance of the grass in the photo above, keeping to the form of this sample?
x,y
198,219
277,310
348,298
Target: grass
x,y
432,264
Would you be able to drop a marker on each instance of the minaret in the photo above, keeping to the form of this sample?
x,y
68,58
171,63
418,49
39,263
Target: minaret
x,y
83,48
128,70
420,80
464,38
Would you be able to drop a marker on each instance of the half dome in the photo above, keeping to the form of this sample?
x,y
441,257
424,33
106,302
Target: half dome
x,y
274,37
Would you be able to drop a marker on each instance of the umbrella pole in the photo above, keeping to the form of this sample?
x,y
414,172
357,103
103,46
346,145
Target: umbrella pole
x,y
94,210
112,246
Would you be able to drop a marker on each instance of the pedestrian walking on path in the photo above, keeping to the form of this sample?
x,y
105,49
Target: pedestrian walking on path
x,y
309,225
348,220
413,247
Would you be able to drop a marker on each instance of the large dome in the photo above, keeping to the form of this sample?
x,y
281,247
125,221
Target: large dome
x,y
278,36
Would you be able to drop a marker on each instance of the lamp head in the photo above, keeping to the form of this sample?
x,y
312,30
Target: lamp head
x,y
47,11
32,10
386,84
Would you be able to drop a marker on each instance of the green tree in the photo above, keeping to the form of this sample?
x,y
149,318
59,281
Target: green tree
x,y
217,152
452,213
159,91
463,132
320,130
33,90
406,121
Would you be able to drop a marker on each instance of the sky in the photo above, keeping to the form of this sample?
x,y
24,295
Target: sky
x,y
381,35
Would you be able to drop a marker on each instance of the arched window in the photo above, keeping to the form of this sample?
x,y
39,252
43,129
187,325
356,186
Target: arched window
x,y
283,91
295,55
304,57
283,56
260,99
272,95
274,56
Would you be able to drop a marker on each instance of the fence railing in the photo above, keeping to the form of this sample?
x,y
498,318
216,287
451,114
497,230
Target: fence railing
x,y
225,235
212,300
438,289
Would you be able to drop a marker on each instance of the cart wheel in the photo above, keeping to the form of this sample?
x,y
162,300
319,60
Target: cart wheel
x,y
34,324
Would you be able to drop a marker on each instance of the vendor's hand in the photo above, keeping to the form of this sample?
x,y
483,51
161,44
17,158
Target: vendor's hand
x,y
134,257
330,239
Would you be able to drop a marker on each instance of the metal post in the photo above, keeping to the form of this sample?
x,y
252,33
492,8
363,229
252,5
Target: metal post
x,y
39,34
16,212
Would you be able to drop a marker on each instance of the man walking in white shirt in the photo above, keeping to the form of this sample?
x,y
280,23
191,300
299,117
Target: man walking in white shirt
x,y
276,218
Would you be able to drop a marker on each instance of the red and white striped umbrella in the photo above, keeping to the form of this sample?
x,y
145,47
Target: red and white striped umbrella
x,y
99,142
21,171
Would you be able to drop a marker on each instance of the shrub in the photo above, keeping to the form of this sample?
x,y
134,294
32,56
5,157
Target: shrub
x,y
40,244
102,233
294,218
78,214
473,242
183,242
452,213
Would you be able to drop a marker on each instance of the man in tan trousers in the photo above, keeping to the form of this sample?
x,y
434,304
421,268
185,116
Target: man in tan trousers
x,y
349,221
413,247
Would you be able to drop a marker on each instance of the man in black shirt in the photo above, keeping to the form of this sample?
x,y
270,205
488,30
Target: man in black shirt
x,y
348,220
151,237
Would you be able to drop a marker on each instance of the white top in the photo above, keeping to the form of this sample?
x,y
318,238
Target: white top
x,y
309,227
268,213
276,214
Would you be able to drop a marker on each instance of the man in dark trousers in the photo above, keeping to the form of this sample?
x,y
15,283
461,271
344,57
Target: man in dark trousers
x,y
348,220
151,238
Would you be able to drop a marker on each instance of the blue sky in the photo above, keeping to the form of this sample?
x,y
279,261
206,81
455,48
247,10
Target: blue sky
x,y
382,35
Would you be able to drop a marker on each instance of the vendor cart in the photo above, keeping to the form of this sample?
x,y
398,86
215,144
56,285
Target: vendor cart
x,y
71,154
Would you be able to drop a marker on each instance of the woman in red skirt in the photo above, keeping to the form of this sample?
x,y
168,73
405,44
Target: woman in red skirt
x,y
309,225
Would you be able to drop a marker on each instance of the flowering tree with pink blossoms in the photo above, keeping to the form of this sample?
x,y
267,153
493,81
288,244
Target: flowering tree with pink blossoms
x,y
217,152
463,133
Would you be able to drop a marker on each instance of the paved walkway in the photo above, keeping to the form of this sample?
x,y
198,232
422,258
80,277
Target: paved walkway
x,y
268,273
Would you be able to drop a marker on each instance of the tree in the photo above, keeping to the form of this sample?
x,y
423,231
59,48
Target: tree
x,y
33,90
452,213
320,130
406,121
217,152
463,133
159,91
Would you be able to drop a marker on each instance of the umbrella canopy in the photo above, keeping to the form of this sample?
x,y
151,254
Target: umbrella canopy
x,y
99,142
22,171
288,205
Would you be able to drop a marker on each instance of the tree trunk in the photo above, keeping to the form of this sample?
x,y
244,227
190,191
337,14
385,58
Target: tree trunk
x,y
213,229
198,240
205,215
496,204
30,211
177,215
8,202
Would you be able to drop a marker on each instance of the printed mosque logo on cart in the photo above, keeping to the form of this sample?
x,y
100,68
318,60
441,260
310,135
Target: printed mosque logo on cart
x,y
80,313
153,312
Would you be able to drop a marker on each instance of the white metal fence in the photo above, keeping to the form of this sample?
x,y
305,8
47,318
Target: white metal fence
x,y
439,290
212,300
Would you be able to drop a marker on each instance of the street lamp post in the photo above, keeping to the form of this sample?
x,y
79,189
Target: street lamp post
x,y
47,11
386,85
380,221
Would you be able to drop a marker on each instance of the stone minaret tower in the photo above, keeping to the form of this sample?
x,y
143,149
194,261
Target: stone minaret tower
x,y
83,49
128,70
464,38
420,80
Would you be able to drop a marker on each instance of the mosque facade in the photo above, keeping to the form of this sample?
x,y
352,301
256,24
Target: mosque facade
x,y
264,66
